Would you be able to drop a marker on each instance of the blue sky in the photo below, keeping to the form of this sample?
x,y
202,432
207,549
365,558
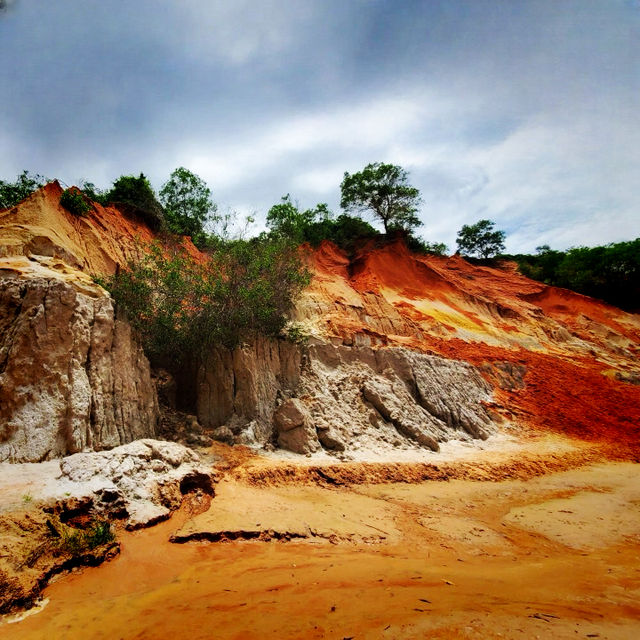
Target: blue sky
x,y
523,112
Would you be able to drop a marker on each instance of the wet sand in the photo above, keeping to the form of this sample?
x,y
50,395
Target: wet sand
x,y
556,556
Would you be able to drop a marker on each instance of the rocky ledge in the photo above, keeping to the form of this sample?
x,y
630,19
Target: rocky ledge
x,y
136,485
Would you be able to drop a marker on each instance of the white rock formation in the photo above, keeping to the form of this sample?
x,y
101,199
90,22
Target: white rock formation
x,y
139,483
72,376
341,398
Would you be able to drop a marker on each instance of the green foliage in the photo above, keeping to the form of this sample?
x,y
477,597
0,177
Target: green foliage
x,y
315,225
345,231
93,193
285,218
382,189
543,266
295,332
78,541
182,307
138,194
188,205
610,272
417,245
13,192
480,239
74,202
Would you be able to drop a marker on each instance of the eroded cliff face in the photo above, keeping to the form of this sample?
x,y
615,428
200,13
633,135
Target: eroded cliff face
x,y
72,376
409,351
339,398
403,351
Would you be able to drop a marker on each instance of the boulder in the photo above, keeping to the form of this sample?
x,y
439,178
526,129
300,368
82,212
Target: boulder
x,y
292,424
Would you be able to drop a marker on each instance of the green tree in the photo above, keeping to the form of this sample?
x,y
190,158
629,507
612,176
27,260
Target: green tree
x,y
480,239
137,193
188,204
25,184
287,219
384,190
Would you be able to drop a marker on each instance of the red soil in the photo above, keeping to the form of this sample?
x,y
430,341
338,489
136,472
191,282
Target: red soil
x,y
568,388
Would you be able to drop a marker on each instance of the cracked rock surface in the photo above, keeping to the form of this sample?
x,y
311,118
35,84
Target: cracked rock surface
x,y
72,376
343,398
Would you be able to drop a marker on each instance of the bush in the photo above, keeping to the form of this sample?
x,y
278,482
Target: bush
x,y
79,541
418,245
93,193
13,192
182,307
74,202
138,194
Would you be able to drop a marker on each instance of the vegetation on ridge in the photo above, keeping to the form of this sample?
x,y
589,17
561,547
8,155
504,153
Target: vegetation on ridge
x,y
384,190
480,239
25,184
610,272
75,202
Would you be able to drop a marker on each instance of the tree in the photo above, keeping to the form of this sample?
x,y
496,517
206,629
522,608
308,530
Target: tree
x,y
188,205
285,218
138,193
480,239
13,192
384,190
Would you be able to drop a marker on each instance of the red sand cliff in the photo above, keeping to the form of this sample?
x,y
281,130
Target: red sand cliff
x,y
580,355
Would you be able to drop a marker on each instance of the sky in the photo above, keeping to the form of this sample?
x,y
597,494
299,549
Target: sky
x,y
524,112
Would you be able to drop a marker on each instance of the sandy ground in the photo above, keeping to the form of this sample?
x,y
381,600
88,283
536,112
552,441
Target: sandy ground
x,y
554,556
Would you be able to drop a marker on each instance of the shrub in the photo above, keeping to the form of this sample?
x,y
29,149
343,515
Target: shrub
x,y
182,307
417,245
93,193
138,194
13,192
79,541
74,202
295,332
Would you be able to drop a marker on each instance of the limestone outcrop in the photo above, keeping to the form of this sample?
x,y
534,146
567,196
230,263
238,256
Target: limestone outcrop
x,y
341,399
72,375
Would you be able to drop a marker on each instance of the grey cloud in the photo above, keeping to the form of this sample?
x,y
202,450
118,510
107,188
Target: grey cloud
x,y
521,112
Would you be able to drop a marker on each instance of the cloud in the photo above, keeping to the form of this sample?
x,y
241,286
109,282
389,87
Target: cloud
x,y
524,113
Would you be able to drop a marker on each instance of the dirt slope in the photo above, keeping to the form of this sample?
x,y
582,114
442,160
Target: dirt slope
x,y
561,361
